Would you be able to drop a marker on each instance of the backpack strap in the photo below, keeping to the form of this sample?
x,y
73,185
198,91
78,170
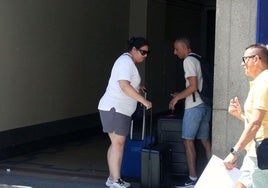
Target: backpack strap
x,y
198,58
194,96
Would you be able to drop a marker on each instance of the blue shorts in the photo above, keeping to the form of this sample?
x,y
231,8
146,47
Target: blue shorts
x,y
196,122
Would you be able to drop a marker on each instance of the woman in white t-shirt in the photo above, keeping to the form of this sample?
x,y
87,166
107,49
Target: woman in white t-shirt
x,y
119,102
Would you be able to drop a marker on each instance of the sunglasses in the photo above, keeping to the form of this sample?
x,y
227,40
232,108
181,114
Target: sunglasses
x,y
244,58
144,52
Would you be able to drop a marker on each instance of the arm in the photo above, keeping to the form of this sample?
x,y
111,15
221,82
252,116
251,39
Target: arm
x,y
247,135
131,92
185,93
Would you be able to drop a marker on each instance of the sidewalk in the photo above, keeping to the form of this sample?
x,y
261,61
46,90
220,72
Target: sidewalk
x,y
80,164
24,180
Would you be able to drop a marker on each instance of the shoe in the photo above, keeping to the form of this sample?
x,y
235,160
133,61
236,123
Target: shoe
x,y
120,184
116,184
187,184
184,186
109,182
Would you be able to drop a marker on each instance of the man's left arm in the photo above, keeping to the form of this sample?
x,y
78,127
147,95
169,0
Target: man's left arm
x,y
247,135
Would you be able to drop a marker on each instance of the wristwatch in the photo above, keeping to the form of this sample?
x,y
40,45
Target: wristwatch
x,y
234,152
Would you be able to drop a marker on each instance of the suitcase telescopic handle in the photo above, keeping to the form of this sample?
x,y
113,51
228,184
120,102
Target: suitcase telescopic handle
x,y
143,134
143,118
144,126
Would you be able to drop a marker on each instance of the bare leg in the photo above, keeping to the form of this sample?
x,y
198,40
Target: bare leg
x,y
240,185
108,158
191,156
115,154
206,144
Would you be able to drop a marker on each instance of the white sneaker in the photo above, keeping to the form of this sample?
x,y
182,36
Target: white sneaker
x,y
109,182
120,184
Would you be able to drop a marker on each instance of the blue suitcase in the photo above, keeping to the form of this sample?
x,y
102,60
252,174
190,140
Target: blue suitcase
x,y
131,162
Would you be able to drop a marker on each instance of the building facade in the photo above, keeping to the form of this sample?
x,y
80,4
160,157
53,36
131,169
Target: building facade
x,y
56,56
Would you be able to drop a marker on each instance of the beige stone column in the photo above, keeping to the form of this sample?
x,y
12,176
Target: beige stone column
x,y
235,29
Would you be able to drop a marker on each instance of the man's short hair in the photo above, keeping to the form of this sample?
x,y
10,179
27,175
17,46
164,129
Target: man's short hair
x,y
185,41
260,50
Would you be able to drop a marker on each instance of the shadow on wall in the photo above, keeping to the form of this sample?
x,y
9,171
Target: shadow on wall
x,y
27,139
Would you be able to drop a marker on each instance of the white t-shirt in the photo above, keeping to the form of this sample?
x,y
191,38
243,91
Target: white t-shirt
x,y
124,69
191,67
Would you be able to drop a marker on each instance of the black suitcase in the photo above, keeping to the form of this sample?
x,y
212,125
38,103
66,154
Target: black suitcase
x,y
169,128
155,166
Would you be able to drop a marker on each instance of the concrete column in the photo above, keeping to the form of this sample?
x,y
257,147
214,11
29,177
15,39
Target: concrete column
x,y
235,30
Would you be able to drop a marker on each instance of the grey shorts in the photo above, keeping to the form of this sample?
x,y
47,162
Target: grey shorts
x,y
113,121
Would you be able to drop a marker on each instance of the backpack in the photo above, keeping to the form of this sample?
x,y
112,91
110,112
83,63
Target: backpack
x,y
206,93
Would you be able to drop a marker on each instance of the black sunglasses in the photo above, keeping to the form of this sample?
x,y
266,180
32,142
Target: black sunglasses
x,y
144,52
244,58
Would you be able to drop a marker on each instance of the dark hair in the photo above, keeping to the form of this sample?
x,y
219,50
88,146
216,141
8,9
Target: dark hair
x,y
185,41
260,50
136,42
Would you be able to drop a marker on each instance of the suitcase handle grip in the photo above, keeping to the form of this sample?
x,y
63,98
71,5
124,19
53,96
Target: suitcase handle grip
x,y
143,134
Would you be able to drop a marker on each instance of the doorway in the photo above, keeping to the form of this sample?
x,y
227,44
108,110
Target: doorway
x,y
166,21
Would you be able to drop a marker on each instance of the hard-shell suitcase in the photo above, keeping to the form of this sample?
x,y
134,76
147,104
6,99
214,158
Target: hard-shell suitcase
x,y
131,162
155,166
169,128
